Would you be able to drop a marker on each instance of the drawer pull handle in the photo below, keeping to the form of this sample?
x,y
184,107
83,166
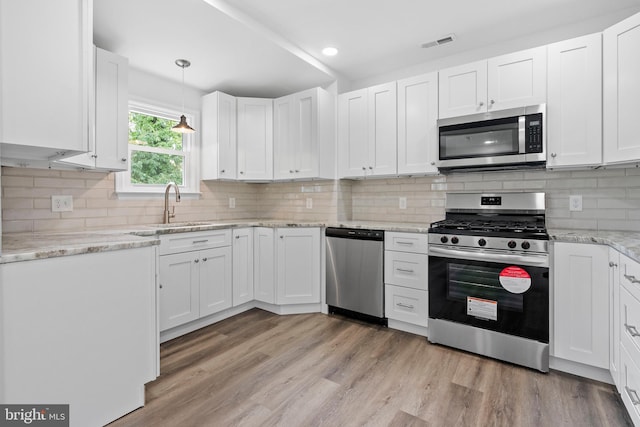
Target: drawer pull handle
x,y
195,242
405,243
633,395
632,279
405,270
409,306
632,330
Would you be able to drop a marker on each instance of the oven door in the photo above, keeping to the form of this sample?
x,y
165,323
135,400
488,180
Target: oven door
x,y
498,295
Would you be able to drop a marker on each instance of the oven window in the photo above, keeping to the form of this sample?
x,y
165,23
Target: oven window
x,y
481,141
468,280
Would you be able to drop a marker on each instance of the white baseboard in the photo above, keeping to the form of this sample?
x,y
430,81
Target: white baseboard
x,y
580,370
408,327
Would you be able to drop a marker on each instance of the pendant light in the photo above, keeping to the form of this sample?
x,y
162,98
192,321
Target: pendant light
x,y
183,126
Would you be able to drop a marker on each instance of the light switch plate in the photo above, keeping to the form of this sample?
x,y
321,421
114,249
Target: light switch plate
x,y
309,203
403,203
232,202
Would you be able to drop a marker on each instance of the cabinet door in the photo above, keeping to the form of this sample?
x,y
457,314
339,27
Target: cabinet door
x,y
621,68
574,109
517,79
215,280
298,266
284,150
255,139
417,124
219,141
581,303
614,316
112,111
264,265
382,134
179,289
305,134
242,265
46,53
462,90
352,133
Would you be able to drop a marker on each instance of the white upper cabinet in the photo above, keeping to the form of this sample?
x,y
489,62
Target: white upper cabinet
x,y
508,81
111,145
574,107
417,124
46,70
367,131
303,129
219,140
621,68
255,139
463,90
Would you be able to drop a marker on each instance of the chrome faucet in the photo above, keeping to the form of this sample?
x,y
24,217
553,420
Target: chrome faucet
x,y
168,215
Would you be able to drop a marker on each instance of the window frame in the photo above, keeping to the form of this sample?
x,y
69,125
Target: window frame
x,y
190,149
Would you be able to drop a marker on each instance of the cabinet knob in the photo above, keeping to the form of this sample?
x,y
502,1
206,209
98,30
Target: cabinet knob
x,y
124,159
492,102
241,172
204,259
364,168
94,156
297,171
370,167
282,237
290,171
196,261
481,104
160,285
612,264
222,171
553,155
237,237
433,163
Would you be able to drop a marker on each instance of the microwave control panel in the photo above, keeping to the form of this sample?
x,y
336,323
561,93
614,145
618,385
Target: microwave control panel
x,y
533,133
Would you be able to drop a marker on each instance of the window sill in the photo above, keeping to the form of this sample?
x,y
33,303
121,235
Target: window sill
x,y
130,195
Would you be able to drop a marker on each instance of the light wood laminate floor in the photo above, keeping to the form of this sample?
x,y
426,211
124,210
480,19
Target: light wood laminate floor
x,y
261,369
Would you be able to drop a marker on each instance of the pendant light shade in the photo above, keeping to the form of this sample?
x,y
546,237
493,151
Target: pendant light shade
x,y
183,126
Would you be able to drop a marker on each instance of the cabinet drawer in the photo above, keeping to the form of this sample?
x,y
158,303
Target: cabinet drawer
x,y
182,242
406,304
405,242
630,275
406,269
630,322
630,385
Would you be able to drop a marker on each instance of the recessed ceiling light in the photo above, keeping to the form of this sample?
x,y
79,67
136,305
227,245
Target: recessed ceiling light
x,y
330,51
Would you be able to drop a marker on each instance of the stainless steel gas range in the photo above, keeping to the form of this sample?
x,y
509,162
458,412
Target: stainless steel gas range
x,y
489,277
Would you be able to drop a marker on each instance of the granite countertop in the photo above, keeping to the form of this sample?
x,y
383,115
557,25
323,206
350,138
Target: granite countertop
x,y
32,246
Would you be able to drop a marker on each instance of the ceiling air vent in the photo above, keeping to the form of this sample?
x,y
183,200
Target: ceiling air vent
x,y
441,41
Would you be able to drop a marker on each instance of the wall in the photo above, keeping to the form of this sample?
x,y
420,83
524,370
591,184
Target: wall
x,y
611,199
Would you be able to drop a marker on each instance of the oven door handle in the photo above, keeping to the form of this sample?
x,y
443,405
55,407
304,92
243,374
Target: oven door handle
x,y
534,260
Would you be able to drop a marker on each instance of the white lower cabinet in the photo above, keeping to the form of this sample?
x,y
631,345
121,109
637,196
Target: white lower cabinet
x,y
614,316
581,303
195,282
630,384
264,286
242,266
629,326
405,278
297,265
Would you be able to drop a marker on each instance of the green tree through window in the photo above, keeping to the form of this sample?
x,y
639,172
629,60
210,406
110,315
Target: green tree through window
x,y
156,155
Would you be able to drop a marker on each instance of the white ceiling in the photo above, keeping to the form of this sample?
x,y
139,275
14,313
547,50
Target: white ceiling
x,y
272,48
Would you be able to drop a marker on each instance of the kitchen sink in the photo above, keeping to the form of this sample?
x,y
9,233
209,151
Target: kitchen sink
x,y
182,224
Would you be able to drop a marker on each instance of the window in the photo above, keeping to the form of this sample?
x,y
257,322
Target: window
x,y
157,154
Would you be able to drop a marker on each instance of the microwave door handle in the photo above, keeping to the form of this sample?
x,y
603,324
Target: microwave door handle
x,y
528,259
521,134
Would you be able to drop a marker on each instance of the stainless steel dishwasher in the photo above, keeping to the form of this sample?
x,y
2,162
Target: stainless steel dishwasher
x,y
355,280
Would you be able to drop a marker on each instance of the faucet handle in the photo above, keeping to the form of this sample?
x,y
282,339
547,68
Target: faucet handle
x,y
172,214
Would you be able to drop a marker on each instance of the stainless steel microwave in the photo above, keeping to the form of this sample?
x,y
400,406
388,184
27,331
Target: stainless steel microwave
x,y
504,139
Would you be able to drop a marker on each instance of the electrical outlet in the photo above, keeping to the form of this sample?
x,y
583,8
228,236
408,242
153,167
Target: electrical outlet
x,y
61,203
309,203
575,203
232,202
403,203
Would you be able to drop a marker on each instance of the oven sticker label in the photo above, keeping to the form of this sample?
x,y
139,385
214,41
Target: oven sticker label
x,y
482,308
515,279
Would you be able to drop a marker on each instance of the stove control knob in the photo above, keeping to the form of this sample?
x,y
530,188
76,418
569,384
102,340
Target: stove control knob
x,y
444,239
482,242
454,240
526,245
511,244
